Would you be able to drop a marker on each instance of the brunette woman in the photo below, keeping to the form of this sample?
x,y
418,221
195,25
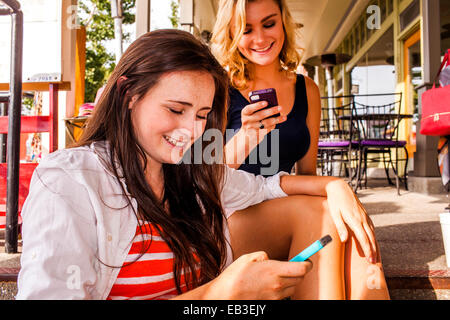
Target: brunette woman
x,y
125,215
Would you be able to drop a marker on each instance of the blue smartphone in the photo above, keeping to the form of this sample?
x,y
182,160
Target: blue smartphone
x,y
312,249
269,95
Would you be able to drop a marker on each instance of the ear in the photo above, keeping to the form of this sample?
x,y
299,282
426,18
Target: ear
x,y
132,102
121,79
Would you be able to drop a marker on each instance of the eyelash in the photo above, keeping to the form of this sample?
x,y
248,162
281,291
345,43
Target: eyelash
x,y
267,26
176,111
181,112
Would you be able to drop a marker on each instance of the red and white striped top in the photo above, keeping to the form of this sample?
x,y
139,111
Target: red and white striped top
x,y
150,277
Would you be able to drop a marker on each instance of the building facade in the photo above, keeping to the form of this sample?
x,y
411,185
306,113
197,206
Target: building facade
x,y
395,46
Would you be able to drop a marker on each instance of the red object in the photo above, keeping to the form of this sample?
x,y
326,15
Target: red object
x,y
25,174
86,109
436,107
29,124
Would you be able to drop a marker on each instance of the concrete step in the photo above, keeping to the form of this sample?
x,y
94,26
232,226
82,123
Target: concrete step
x,y
8,290
419,285
406,286
419,294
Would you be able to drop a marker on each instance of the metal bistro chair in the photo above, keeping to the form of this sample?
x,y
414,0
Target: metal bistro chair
x,y
378,125
338,142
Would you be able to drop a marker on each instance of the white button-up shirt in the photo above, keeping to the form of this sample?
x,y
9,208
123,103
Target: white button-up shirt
x,y
77,224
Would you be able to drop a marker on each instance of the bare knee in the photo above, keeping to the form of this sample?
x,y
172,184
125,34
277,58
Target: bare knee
x,y
312,218
322,217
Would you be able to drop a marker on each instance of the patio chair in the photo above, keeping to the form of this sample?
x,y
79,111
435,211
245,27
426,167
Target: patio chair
x,y
379,129
338,151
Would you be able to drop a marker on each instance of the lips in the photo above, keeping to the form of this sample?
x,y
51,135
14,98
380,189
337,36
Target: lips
x,y
263,50
174,142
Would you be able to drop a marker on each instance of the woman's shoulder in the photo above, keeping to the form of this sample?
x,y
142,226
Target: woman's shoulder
x,y
307,88
78,166
310,85
75,162
69,158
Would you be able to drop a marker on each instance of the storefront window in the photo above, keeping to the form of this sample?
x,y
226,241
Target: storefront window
x,y
413,79
356,35
352,42
346,46
445,26
390,6
409,14
383,9
415,70
362,30
373,74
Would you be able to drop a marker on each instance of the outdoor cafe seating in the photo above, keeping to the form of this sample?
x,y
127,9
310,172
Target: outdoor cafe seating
x,y
338,142
356,134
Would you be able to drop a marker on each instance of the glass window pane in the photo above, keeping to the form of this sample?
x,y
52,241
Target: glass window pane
x,y
363,28
356,35
409,14
390,6
383,10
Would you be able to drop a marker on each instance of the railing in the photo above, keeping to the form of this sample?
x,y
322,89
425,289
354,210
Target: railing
x,y
14,114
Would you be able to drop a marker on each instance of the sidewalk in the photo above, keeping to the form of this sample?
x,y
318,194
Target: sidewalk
x,y
408,231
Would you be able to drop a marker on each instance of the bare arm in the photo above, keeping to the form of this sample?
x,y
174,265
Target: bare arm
x,y
308,185
252,276
344,207
307,165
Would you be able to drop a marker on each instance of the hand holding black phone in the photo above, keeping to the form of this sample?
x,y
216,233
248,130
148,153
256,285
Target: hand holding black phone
x,y
269,95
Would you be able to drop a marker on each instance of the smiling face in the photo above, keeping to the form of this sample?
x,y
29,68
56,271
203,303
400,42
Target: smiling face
x,y
264,35
172,115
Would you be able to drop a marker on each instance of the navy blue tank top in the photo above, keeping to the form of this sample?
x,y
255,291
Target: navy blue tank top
x,y
284,145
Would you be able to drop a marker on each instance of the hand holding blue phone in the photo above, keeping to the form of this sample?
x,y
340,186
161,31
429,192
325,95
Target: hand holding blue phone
x,y
312,249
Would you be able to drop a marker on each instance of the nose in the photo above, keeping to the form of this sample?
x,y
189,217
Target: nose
x,y
190,128
259,36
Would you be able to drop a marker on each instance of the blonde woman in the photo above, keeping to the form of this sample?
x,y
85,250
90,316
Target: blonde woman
x,y
255,41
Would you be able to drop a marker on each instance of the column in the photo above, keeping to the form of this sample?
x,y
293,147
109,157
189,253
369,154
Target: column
x,y
425,177
143,11
187,15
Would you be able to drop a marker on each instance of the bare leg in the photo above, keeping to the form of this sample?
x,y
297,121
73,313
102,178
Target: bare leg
x,y
283,227
365,281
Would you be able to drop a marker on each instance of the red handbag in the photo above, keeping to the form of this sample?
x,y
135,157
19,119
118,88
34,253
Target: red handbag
x,y
436,107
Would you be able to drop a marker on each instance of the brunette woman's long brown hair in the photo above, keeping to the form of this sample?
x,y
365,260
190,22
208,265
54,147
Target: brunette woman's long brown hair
x,y
193,224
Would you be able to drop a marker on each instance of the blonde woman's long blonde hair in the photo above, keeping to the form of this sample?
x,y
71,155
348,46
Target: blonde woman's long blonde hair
x,y
225,47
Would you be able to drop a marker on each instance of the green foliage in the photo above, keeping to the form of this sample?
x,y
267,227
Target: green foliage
x,y
174,19
27,105
95,15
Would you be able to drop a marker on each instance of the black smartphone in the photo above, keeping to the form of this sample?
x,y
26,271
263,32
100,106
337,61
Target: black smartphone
x,y
269,95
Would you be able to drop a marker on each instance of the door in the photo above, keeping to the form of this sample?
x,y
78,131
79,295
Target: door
x,y
413,78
